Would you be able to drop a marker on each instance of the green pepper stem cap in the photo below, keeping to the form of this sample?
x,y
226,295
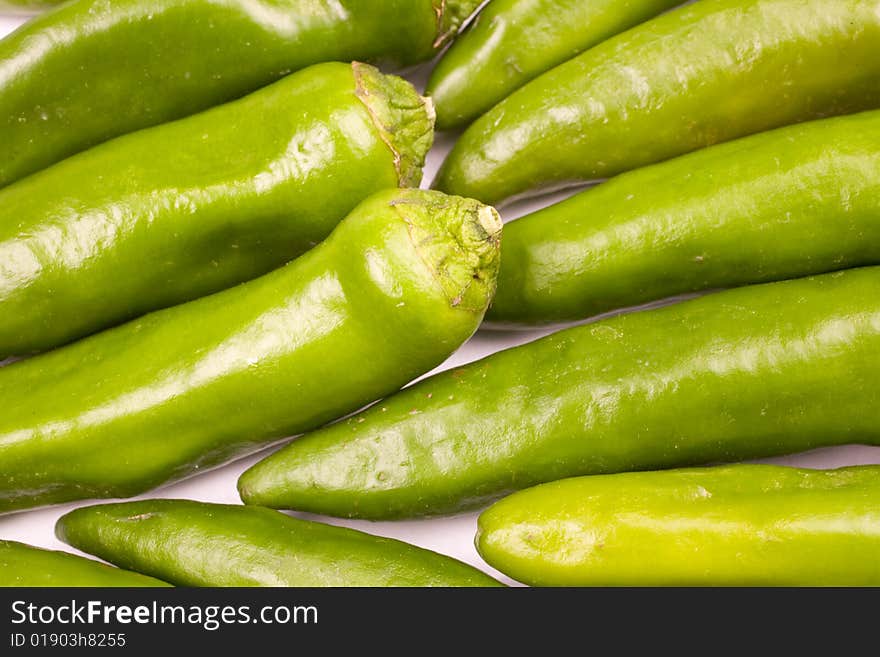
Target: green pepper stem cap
x,y
450,16
404,119
459,240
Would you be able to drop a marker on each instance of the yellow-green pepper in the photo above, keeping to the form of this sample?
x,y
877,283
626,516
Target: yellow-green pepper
x,y
513,41
172,213
91,70
29,566
702,74
796,201
394,290
740,525
745,373
197,544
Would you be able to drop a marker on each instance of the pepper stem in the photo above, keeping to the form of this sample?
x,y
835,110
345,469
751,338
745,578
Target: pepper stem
x,y
450,16
404,118
459,239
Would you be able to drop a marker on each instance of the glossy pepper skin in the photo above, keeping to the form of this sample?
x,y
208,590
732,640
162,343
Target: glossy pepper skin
x,y
169,214
25,565
513,41
696,76
397,287
744,373
788,203
199,544
740,525
91,70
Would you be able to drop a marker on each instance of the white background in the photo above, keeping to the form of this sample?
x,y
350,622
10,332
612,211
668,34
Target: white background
x,y
454,535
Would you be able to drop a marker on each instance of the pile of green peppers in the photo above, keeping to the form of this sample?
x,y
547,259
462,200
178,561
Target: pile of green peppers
x,y
212,239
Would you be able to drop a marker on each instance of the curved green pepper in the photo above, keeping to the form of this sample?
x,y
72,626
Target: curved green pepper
x,y
198,544
92,70
744,373
399,285
741,525
25,565
181,210
706,73
514,41
796,201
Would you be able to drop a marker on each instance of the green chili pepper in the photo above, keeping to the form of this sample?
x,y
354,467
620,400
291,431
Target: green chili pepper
x,y
741,525
25,565
744,373
513,41
796,201
706,73
397,287
91,70
198,544
181,210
